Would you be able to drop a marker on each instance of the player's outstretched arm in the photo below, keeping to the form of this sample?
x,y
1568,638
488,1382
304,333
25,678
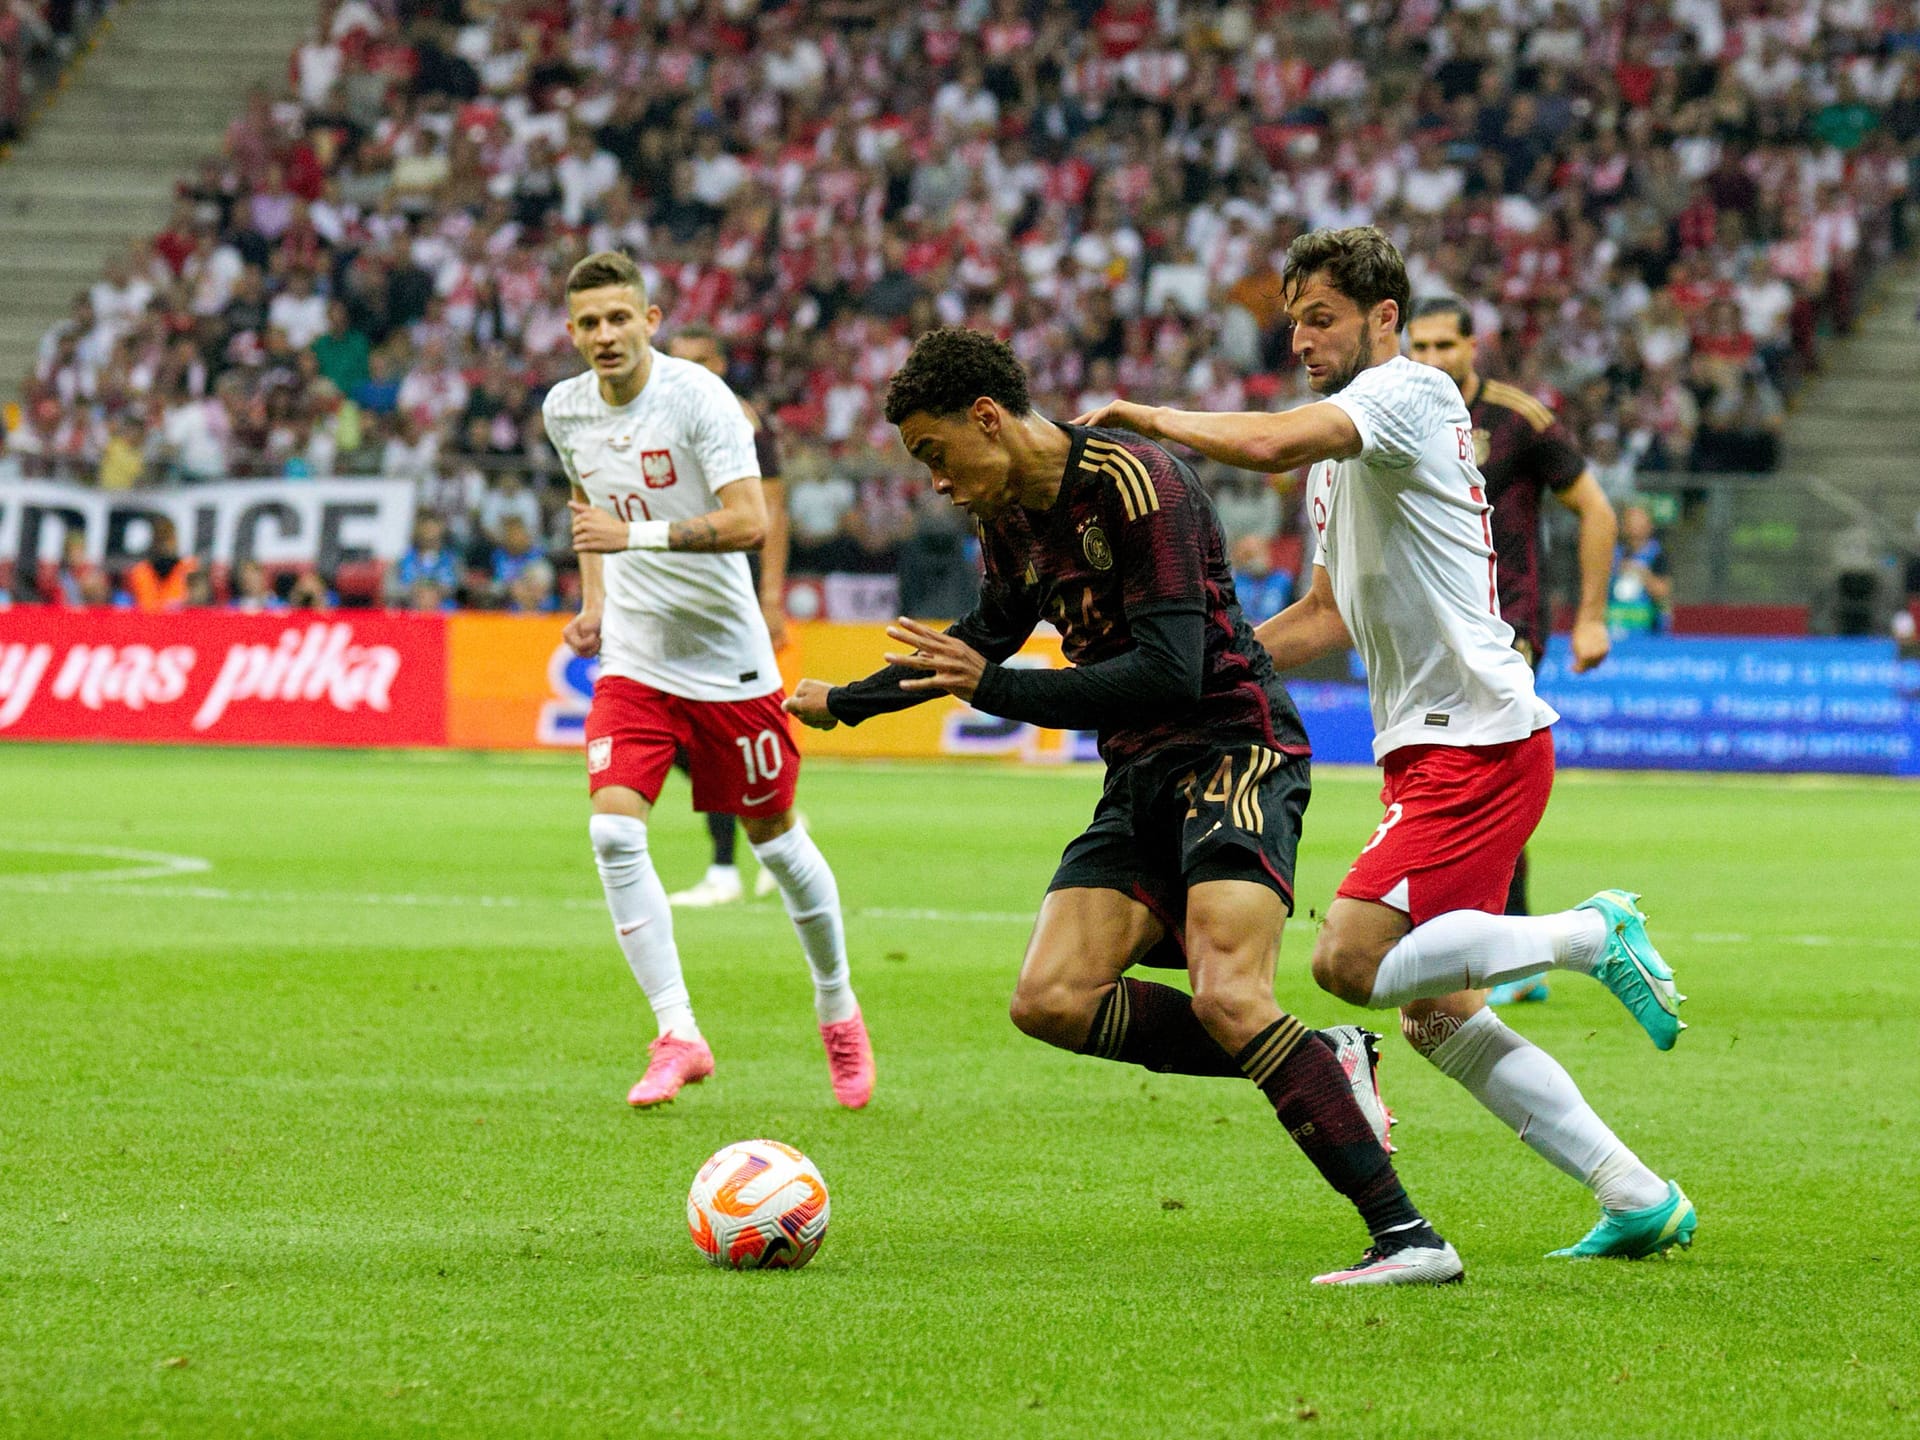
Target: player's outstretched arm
x,y
1251,440
1307,629
995,630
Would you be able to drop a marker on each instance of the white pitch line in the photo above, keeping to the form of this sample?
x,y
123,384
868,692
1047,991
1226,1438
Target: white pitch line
x,y
146,864
81,883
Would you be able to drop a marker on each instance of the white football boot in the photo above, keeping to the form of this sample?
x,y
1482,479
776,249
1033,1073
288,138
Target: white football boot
x,y
1401,1265
719,886
1358,1051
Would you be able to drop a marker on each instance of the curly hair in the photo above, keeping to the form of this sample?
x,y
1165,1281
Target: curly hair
x,y
1360,262
950,368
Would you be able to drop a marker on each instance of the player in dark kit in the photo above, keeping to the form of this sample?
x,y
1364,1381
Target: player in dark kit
x,y
1524,453
1191,848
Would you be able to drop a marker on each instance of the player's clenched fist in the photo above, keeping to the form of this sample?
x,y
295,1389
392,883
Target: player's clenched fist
x,y
1591,645
808,705
583,633
595,532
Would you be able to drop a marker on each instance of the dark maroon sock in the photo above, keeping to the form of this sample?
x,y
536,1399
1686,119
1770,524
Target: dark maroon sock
x,y
1517,888
1299,1075
1154,1025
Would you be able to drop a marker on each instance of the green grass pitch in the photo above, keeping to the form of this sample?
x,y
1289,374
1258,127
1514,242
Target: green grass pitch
x,y
312,1071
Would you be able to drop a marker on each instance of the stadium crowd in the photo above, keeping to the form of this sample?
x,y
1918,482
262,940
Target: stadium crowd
x,y
1655,207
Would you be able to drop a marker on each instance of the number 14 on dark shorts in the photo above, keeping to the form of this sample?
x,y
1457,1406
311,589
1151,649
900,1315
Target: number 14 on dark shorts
x,y
1185,815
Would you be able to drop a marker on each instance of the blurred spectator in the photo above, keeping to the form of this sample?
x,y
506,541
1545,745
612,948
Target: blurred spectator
x,y
1641,590
199,594
430,559
1248,505
1740,428
515,553
531,591
818,502
939,569
123,463
37,38
508,501
1859,597
158,581
310,592
344,352
77,577
252,592
1262,589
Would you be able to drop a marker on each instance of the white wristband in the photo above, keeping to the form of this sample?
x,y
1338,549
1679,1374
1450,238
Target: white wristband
x,y
648,534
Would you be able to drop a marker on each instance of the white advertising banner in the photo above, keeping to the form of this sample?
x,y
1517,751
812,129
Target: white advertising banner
x,y
276,522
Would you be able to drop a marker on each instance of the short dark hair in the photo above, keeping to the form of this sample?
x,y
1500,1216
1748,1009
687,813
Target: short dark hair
x,y
699,331
1360,262
605,267
950,368
1445,305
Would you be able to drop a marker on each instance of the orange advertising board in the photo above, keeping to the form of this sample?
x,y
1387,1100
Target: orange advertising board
x,y
512,683
508,686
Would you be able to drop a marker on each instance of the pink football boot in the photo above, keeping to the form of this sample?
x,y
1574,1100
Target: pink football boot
x,y
849,1060
674,1062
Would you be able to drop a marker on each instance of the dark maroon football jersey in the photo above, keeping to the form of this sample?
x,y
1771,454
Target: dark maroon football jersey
x,y
1134,533
1523,452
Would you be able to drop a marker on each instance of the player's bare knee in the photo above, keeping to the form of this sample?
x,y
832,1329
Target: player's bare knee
x,y
1227,1008
1057,1014
1343,969
761,829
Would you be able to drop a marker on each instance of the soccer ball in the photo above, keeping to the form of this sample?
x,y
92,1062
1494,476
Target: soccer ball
x,y
758,1205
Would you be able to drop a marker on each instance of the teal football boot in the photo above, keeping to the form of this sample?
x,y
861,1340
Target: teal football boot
x,y
1530,991
1636,1234
1633,970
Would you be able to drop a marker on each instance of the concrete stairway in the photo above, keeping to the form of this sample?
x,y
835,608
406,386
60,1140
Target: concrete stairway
x,y
1856,427
99,166
1851,457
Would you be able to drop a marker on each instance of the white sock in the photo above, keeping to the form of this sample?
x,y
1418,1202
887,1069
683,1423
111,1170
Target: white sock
x,y
642,919
723,873
1471,950
1527,1088
812,899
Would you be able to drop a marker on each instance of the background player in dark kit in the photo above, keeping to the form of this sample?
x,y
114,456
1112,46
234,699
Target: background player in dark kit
x,y
1524,453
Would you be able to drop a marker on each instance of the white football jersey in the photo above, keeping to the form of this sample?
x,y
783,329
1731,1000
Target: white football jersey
x,y
1403,531
681,621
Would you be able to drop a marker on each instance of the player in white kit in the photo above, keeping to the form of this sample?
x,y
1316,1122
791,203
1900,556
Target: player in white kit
x,y
1404,571
666,498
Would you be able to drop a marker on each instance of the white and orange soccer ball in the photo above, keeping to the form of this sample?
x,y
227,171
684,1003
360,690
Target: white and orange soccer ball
x,y
758,1205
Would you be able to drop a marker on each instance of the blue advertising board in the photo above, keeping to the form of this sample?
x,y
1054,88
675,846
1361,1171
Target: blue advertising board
x,y
1686,703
